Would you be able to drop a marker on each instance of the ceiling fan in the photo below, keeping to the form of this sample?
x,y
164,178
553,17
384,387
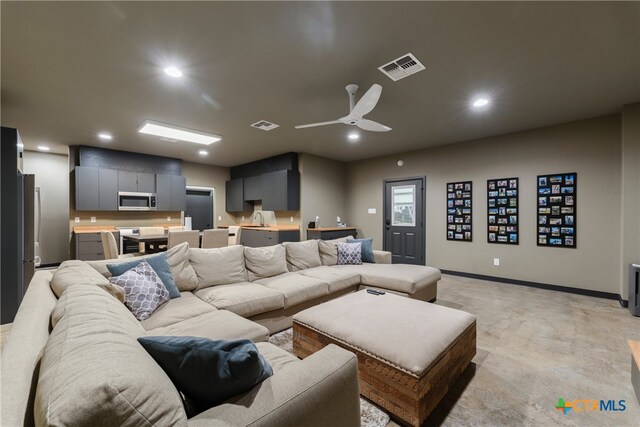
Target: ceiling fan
x,y
366,104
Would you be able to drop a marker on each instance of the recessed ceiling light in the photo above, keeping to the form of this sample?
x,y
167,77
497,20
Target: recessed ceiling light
x,y
173,72
480,102
43,148
178,133
203,152
354,136
105,136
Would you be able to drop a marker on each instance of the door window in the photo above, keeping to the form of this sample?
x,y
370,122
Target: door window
x,y
403,200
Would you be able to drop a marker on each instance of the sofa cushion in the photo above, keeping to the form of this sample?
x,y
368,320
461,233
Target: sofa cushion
x,y
178,257
337,279
207,371
176,310
244,299
94,372
277,357
349,253
405,278
302,255
264,262
366,249
296,288
143,290
216,325
219,266
76,272
160,265
329,250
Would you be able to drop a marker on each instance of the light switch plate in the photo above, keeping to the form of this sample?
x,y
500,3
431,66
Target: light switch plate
x,y
372,211
291,219
496,261
93,219
219,218
77,219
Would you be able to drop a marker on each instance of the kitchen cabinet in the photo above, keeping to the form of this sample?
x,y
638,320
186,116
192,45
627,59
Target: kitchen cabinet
x,y
171,192
330,233
234,196
142,182
88,246
256,238
253,188
96,189
281,191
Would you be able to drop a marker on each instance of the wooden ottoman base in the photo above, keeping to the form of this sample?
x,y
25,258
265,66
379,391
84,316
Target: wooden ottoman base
x,y
409,399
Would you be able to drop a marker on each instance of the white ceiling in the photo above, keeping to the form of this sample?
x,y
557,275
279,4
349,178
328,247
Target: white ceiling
x,y
70,70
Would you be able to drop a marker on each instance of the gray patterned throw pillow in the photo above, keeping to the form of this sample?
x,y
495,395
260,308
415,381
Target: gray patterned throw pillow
x,y
349,253
143,290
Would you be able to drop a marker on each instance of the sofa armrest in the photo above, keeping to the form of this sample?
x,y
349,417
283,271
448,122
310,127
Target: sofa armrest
x,y
382,257
320,390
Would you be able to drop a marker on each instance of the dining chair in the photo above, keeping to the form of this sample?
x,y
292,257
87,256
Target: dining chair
x,y
110,247
218,238
177,237
149,231
235,239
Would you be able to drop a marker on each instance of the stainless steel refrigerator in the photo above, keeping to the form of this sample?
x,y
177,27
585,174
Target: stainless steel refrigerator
x,y
17,251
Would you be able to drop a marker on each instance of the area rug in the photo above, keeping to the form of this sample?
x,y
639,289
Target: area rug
x,y
370,415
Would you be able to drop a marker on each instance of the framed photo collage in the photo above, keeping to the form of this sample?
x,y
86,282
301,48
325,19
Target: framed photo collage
x,y
555,215
502,211
557,210
459,211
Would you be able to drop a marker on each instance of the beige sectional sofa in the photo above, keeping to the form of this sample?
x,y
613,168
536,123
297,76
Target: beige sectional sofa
x,y
73,342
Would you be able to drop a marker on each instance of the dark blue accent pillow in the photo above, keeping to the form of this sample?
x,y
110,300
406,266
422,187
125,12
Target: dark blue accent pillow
x,y
366,249
208,372
159,263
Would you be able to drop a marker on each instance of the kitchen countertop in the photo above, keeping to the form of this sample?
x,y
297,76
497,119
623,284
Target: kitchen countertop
x,y
94,229
275,227
331,228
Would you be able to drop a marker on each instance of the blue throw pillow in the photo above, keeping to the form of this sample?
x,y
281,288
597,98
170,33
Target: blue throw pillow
x,y
160,265
208,372
367,249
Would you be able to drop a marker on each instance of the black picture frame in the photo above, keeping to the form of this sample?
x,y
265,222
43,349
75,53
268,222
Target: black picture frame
x,y
557,210
460,211
503,211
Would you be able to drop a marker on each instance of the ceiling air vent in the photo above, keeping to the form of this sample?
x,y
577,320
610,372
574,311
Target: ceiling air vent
x,y
402,67
264,125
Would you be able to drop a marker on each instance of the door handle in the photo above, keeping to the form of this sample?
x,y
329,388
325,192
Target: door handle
x,y
387,221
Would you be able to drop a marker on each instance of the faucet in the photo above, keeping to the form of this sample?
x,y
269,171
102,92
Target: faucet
x,y
261,217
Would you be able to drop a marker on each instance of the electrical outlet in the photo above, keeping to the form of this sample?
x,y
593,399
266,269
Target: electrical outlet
x,y
77,219
93,219
168,219
291,219
496,261
243,217
219,218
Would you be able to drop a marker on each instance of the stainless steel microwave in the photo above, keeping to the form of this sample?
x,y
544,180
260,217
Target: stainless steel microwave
x,y
133,201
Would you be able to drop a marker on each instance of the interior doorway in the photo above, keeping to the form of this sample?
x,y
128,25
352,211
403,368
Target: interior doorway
x,y
200,207
404,217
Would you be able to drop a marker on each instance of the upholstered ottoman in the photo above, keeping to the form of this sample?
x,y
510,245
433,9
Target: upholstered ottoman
x,y
409,352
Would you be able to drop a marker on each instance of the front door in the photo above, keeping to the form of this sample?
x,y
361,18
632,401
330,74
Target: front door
x,y
403,225
200,208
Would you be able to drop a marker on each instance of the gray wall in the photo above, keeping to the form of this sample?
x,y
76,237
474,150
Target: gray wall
x,y
322,191
589,147
630,193
52,176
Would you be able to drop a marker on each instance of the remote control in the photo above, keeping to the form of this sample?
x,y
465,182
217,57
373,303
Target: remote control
x,y
372,292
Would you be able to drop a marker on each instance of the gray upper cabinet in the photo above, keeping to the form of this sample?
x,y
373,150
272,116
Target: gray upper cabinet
x,y
96,189
234,196
282,191
171,192
178,193
253,188
87,182
108,189
142,182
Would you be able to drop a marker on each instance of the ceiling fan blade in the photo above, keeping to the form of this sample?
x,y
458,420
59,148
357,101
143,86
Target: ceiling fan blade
x,y
367,102
310,125
372,126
